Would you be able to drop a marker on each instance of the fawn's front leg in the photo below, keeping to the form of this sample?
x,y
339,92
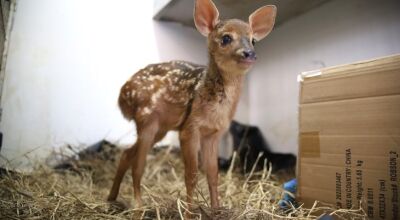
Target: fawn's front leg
x,y
209,156
190,144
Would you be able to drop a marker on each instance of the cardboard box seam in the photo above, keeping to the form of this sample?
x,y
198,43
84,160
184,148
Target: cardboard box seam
x,y
348,99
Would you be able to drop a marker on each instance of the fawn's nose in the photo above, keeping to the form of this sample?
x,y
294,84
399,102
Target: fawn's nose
x,y
249,54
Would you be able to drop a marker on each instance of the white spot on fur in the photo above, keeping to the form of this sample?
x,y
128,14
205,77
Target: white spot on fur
x,y
198,86
174,88
190,82
146,111
190,67
154,77
166,68
157,95
171,99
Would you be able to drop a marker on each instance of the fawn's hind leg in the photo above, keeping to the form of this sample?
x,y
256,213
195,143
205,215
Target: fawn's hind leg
x,y
124,163
135,157
139,163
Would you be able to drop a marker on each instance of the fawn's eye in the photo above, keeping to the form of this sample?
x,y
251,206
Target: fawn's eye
x,y
253,42
226,39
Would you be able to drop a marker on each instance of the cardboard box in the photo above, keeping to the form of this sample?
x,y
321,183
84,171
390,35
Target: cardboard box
x,y
349,137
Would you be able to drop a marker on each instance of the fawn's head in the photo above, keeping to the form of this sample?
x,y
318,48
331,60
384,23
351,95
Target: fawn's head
x,y
231,42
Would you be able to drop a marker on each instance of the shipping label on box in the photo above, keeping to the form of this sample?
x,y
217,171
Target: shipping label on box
x,y
349,137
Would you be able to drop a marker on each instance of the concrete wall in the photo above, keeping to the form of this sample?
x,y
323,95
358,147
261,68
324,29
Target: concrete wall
x,y
338,32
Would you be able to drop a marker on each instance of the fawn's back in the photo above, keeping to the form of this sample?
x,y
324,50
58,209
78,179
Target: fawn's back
x,y
164,89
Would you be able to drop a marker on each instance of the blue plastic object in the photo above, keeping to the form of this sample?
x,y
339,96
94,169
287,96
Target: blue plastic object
x,y
326,217
290,186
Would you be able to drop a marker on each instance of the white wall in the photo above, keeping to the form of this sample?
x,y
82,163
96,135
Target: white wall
x,y
338,32
67,61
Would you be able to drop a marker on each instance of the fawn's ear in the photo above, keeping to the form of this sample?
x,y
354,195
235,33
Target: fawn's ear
x,y
262,21
205,16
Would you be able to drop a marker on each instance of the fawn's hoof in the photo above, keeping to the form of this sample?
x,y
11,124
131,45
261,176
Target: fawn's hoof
x,y
123,205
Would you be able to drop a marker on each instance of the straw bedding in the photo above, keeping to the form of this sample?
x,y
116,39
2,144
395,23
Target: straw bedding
x,y
78,188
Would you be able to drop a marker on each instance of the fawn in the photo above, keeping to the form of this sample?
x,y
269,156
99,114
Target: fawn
x,y
198,101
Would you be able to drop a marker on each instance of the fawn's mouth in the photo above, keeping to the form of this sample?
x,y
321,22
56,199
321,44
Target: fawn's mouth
x,y
247,62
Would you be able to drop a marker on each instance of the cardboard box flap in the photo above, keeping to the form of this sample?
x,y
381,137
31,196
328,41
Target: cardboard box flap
x,y
378,77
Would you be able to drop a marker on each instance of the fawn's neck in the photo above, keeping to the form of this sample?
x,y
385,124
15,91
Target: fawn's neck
x,y
221,83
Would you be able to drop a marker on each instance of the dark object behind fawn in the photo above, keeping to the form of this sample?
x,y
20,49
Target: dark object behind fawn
x,y
249,142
